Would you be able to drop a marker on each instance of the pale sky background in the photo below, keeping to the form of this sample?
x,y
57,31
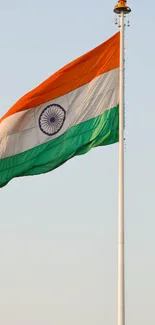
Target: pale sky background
x,y
58,232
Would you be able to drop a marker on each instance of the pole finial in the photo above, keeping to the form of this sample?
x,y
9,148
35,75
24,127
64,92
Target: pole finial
x,y
122,7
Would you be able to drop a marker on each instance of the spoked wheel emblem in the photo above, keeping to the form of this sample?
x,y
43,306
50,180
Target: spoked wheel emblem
x,y
52,119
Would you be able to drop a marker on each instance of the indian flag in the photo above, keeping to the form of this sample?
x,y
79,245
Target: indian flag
x,y
73,111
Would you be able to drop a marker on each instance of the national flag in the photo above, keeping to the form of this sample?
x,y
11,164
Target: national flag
x,y
73,111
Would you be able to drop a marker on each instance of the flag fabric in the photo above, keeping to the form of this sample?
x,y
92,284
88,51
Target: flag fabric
x,y
71,112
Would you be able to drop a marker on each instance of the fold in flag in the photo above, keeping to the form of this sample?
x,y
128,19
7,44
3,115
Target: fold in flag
x,y
73,111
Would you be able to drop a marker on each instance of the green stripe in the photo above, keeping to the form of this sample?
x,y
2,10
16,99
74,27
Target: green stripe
x,y
99,131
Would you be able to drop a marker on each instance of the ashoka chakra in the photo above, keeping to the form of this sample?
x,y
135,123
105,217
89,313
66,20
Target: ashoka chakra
x,y
52,119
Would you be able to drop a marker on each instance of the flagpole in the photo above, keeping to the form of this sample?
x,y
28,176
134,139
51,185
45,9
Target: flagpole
x,y
121,9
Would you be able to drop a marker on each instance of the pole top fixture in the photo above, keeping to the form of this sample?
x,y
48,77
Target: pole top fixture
x,y
122,7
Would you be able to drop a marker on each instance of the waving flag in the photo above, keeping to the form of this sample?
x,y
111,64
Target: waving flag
x,y
71,112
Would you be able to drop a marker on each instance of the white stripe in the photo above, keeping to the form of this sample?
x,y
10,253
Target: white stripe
x,y
21,130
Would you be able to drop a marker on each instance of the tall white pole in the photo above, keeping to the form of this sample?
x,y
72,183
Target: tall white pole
x,y
121,9
121,282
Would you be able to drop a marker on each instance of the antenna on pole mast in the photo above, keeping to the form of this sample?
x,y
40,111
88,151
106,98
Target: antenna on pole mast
x,y
122,10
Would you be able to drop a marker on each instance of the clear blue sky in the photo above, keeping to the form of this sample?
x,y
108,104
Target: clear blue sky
x,y
58,232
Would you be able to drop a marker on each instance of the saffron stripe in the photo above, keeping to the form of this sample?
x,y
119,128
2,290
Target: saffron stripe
x,y
81,71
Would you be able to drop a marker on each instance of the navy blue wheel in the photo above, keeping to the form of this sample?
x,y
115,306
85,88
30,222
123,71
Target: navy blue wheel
x,y
51,119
